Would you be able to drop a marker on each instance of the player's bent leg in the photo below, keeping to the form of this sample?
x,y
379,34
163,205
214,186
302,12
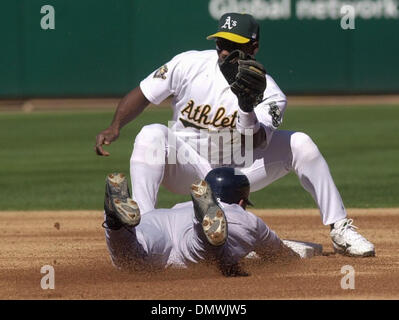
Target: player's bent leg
x,y
295,151
270,163
161,157
314,175
184,165
147,165
179,177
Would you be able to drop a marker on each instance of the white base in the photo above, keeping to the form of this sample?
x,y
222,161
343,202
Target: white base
x,y
304,249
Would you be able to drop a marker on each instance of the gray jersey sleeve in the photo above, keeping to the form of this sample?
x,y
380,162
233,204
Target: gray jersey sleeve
x,y
267,241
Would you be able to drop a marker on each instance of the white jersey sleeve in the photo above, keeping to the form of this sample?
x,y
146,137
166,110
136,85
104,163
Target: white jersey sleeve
x,y
271,110
165,81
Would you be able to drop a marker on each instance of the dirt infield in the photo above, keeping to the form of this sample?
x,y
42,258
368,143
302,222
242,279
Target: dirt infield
x,y
73,243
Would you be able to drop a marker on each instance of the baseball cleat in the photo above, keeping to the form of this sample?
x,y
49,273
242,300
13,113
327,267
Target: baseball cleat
x,y
209,213
120,209
349,242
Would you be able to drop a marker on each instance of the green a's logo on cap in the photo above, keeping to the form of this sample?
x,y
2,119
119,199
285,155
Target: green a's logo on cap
x,y
229,23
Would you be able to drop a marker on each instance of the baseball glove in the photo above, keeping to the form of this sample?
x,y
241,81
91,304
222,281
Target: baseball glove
x,y
247,78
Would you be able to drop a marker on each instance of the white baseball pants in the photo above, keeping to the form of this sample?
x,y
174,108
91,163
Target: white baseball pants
x,y
288,151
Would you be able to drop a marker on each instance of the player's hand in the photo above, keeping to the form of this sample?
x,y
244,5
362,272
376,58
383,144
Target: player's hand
x,y
233,270
105,137
246,77
250,84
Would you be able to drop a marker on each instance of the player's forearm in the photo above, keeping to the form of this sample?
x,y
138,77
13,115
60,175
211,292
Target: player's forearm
x,y
129,108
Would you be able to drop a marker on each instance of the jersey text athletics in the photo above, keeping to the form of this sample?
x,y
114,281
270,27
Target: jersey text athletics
x,y
200,116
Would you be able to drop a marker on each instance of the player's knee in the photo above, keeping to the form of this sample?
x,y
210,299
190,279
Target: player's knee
x,y
152,135
150,145
303,147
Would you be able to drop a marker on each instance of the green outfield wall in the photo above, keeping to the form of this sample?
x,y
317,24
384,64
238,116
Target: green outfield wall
x,y
91,48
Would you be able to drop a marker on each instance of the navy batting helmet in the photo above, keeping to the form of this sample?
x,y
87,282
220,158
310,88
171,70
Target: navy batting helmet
x,y
229,185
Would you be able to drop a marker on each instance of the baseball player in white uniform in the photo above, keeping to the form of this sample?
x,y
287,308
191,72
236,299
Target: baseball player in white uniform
x,y
208,98
213,227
